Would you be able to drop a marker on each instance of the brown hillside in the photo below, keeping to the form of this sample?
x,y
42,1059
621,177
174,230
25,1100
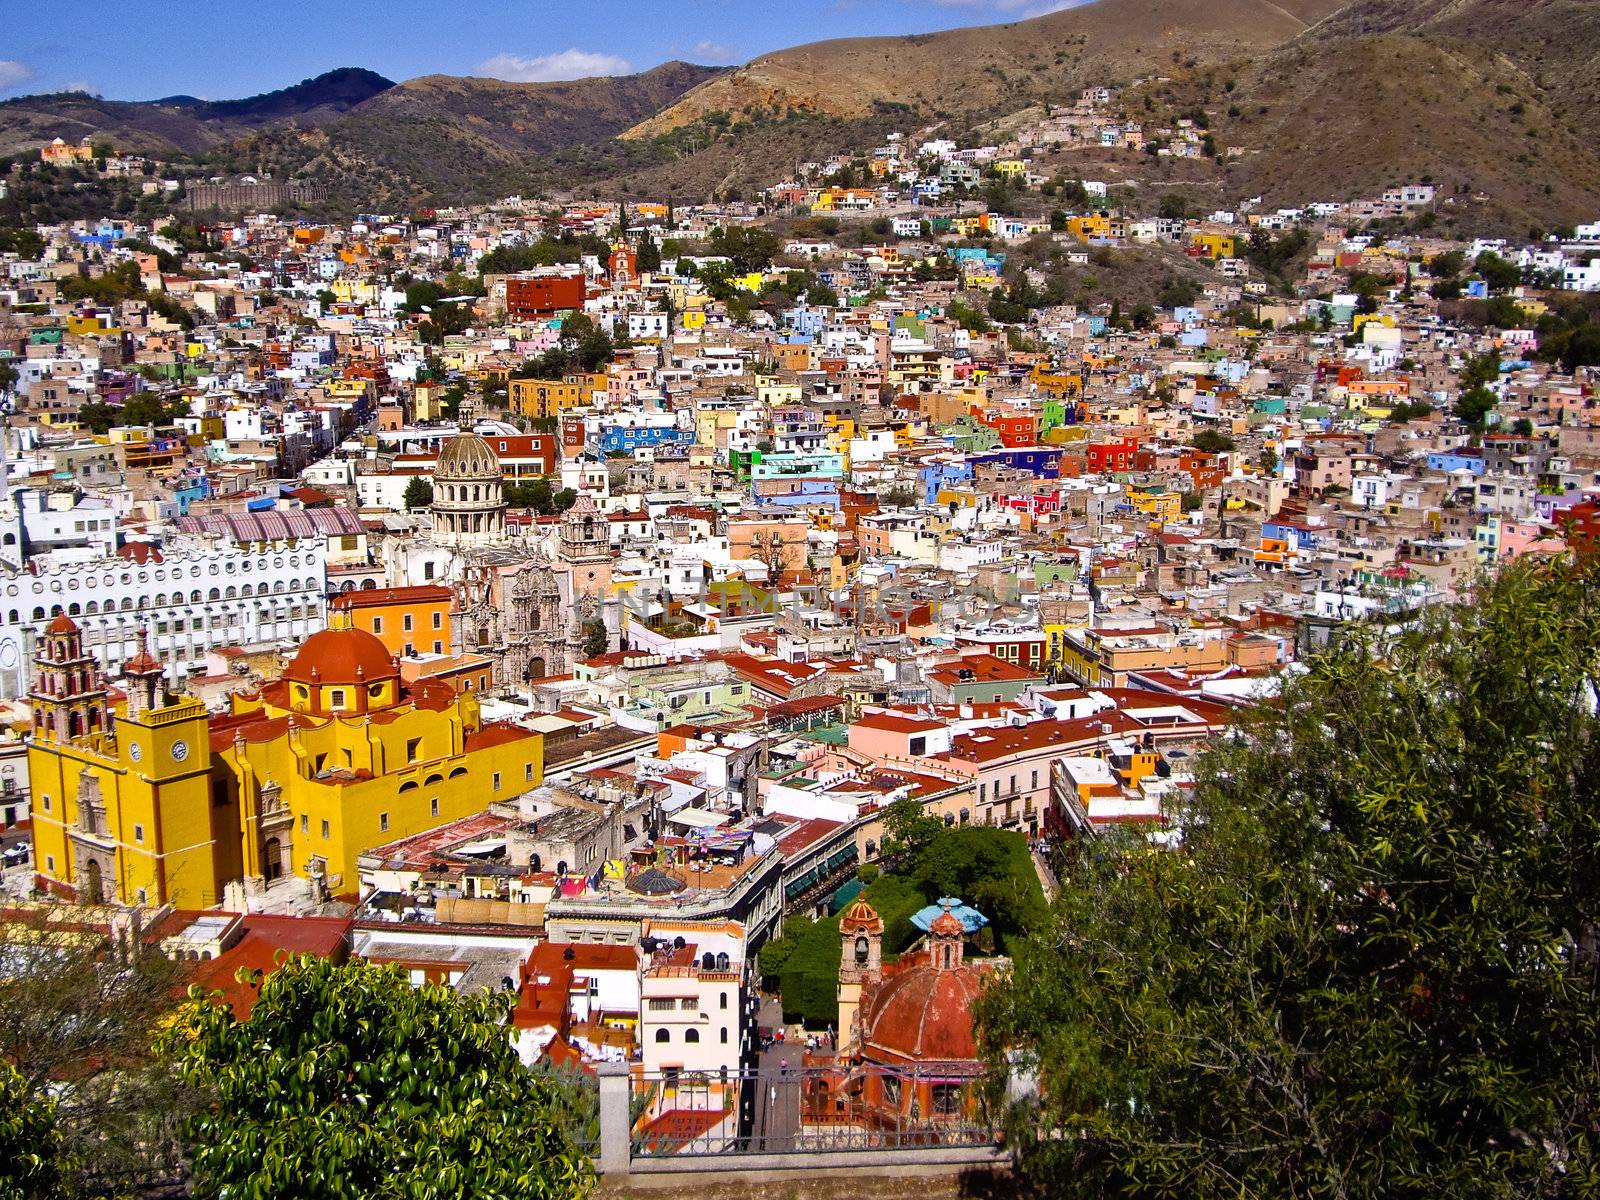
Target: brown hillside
x,y
987,67
1332,117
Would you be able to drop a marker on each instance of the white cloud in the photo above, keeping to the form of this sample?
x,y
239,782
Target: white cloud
x,y
715,53
77,85
546,68
13,74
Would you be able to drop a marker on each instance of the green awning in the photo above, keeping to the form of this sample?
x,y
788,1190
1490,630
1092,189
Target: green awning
x,y
848,891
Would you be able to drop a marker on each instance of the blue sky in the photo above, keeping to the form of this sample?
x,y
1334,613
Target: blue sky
x,y
221,49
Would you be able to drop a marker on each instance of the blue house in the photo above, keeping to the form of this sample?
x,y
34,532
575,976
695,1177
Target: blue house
x,y
939,476
1039,461
1445,460
1299,537
628,438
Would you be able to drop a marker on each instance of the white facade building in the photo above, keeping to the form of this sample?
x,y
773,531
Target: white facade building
x,y
188,601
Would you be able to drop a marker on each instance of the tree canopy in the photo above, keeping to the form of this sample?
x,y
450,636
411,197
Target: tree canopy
x,y
1370,967
345,1081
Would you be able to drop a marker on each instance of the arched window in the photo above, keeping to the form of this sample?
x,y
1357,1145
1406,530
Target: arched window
x,y
723,1000
214,594
663,1036
194,596
724,1035
38,614
458,772
862,949
127,603
232,593
74,609
692,1036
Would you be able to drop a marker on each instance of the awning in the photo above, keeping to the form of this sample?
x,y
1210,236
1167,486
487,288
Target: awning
x,y
848,891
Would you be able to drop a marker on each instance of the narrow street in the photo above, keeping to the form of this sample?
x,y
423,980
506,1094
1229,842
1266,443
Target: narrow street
x,y
777,1093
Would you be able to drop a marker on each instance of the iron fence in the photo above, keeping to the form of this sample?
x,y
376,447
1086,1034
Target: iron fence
x,y
811,1109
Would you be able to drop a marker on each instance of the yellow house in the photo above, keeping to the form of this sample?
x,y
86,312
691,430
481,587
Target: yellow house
x,y
545,397
1164,506
1215,245
1010,166
1094,225
161,803
122,803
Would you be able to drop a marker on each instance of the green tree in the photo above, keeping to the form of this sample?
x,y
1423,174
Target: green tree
x,y
346,1081
596,641
908,828
79,1085
1212,441
1582,347
31,1149
648,255
1495,271
1371,968
419,493
1474,404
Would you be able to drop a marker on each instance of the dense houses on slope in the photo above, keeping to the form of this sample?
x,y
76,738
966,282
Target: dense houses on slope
x,y
559,600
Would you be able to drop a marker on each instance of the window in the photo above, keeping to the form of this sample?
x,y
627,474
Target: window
x,y
659,1004
336,698
722,1000
496,785
663,1036
983,792
406,623
692,1036
383,822
527,770
411,651
438,647
50,863
47,802
438,620
138,833
327,831
1033,781
305,823
433,806
377,624
688,1004
724,1035
413,748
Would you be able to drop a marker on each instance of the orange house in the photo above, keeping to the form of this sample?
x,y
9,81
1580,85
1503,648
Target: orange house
x,y
408,621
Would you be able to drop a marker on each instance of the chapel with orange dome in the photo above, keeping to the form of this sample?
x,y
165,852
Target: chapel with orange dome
x,y
906,1041
334,757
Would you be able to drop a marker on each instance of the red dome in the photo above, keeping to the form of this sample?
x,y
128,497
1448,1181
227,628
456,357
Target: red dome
x,y
947,924
342,656
922,1014
861,917
62,624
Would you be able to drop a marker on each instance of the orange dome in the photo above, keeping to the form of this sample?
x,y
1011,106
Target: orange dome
x,y
947,924
341,656
861,917
921,1014
62,624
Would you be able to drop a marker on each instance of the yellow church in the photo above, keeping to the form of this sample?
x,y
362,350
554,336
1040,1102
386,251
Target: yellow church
x,y
157,801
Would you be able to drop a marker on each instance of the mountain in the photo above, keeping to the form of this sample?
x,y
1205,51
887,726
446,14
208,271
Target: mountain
x,y
977,70
444,137
179,125
1494,100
